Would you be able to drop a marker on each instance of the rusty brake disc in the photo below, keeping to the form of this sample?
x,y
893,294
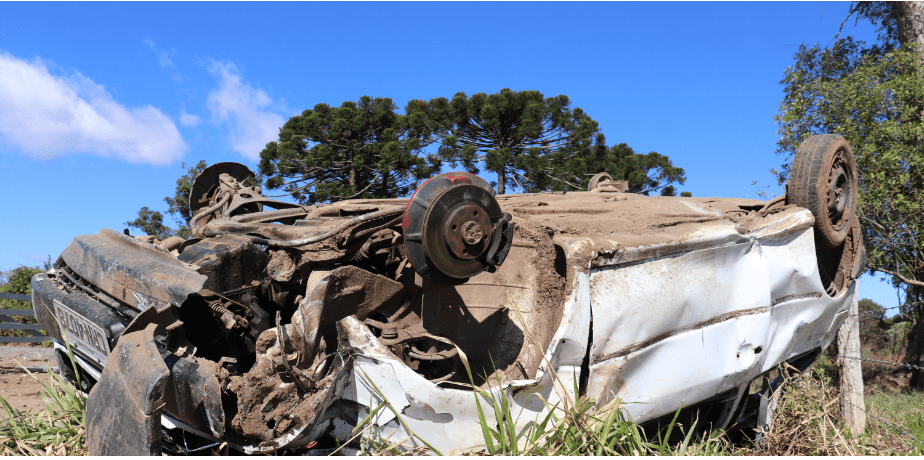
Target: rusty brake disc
x,y
454,229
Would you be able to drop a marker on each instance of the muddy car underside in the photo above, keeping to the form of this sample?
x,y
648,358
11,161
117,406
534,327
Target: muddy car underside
x,y
273,328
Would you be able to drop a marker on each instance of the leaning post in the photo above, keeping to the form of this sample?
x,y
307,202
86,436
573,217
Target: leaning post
x,y
851,375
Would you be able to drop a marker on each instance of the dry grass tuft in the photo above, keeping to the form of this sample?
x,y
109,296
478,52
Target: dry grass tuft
x,y
808,422
58,430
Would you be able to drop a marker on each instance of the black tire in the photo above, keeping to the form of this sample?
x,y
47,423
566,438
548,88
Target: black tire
x,y
69,374
823,179
65,370
600,177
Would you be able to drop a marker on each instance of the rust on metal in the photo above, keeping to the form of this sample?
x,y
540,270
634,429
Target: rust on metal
x,y
278,326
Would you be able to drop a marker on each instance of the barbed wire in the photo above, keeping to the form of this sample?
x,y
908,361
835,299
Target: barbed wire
x,y
879,361
895,427
874,312
891,425
908,306
885,422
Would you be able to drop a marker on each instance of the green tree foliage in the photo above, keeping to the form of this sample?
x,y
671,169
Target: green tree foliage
x,y
870,309
520,135
646,172
873,96
152,222
872,325
18,281
535,144
360,149
179,202
880,14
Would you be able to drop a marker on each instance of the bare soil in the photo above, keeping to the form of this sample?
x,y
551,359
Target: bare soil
x,y
16,386
22,391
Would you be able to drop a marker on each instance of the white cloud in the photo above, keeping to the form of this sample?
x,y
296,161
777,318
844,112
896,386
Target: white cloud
x,y
246,110
188,120
163,58
48,116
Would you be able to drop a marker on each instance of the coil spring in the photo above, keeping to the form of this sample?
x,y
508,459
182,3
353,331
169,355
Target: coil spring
x,y
218,308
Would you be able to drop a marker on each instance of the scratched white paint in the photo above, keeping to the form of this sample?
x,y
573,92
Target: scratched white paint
x,y
708,236
530,400
672,324
679,329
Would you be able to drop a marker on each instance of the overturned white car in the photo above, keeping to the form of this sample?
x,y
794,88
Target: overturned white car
x,y
273,329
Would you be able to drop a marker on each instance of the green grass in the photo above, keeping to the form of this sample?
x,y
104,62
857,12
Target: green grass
x,y
577,427
59,430
807,423
903,409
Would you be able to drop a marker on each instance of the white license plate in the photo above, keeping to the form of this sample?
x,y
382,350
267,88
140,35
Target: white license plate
x,y
90,338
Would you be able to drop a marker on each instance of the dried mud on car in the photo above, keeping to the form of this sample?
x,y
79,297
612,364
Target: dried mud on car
x,y
278,325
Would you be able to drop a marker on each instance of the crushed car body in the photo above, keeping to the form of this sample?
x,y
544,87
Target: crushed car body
x,y
271,329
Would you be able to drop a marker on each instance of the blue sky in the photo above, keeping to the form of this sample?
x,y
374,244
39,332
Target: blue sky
x,y
100,103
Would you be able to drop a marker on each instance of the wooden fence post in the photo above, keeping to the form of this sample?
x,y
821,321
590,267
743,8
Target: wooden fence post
x,y
851,374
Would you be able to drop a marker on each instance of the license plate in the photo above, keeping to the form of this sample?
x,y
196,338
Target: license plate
x,y
88,337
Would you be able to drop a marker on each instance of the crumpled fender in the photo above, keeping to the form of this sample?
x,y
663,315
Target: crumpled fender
x,y
123,409
138,382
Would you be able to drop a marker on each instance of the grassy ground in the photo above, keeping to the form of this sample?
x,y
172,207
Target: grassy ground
x,y
806,423
58,430
904,409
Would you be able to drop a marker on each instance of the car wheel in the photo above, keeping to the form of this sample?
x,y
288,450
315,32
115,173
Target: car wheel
x,y
838,267
597,179
823,179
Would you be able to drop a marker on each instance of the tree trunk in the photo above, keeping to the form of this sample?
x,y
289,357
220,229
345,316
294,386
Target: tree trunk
x,y
851,374
353,178
916,347
910,19
501,182
383,191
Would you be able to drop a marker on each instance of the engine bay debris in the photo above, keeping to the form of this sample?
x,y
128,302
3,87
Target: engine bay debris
x,y
277,326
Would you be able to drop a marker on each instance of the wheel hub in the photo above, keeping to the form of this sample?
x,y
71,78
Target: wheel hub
x,y
465,231
839,192
454,228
